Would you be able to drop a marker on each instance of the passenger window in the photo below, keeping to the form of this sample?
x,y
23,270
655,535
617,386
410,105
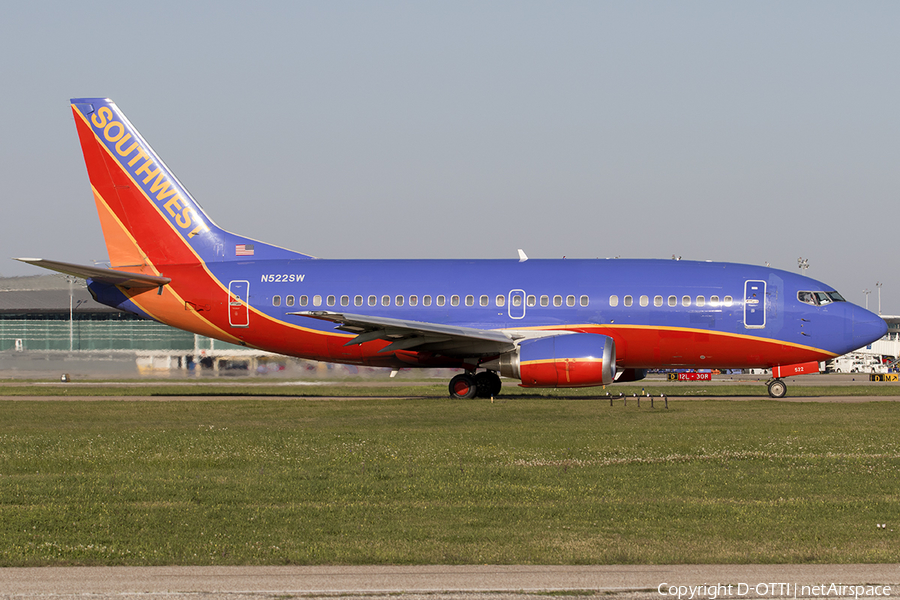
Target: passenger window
x,y
385,300
304,300
317,300
713,300
701,301
545,300
530,301
470,300
728,301
657,301
413,300
673,301
289,300
276,300
557,300
570,300
501,300
483,301
628,300
426,300
373,300
441,300
645,300
685,300
345,300
454,300
613,301
330,300
584,300
398,300
517,300
357,300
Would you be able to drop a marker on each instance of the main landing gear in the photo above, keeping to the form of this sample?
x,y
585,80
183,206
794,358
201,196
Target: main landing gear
x,y
482,385
777,388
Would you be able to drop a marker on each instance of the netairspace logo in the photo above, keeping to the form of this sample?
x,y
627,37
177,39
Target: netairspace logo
x,y
771,590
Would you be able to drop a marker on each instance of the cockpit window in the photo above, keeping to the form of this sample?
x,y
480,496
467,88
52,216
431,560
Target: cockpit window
x,y
819,298
822,298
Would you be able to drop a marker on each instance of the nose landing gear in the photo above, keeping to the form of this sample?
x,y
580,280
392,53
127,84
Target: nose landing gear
x,y
777,388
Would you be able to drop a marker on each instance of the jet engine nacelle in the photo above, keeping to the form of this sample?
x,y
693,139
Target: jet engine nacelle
x,y
569,360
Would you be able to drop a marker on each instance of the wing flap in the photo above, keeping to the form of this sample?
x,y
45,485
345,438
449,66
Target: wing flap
x,y
411,335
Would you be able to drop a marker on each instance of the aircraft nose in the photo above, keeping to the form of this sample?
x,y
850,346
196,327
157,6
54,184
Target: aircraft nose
x,y
867,327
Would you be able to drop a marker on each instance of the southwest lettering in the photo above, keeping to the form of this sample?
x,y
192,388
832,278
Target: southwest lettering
x,y
140,154
161,185
121,143
144,168
172,205
100,118
112,138
184,219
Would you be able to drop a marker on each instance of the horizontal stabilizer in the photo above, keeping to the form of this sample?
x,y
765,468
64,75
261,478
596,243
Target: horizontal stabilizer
x,y
110,276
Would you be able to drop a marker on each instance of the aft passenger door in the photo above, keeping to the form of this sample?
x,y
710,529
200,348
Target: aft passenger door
x,y
754,304
239,303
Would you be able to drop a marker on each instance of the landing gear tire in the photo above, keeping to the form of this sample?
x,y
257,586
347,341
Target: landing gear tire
x,y
463,386
777,388
488,384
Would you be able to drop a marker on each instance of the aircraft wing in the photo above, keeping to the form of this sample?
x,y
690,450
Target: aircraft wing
x,y
110,276
416,335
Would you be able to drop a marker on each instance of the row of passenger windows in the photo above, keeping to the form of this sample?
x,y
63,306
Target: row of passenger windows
x,y
672,301
386,300
500,300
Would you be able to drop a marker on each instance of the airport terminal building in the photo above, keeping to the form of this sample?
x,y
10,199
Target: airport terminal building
x,y
54,316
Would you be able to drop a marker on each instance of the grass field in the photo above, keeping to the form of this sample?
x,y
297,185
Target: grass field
x,y
527,479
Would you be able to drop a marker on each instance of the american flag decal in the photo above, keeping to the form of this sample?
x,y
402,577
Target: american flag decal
x,y
243,250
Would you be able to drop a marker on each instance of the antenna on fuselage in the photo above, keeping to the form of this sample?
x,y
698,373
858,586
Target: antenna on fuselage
x,y
522,256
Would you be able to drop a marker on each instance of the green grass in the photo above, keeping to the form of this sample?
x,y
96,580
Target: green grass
x,y
544,480
394,389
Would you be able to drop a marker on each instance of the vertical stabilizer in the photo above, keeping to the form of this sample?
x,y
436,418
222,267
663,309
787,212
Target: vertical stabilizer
x,y
148,217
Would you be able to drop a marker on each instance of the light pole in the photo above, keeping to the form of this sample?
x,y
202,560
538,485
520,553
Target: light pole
x,y
802,263
867,292
71,310
878,285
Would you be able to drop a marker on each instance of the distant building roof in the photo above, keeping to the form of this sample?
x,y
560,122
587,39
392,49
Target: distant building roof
x,y
46,294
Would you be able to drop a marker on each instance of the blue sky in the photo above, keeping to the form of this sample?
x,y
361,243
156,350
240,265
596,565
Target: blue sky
x,y
738,131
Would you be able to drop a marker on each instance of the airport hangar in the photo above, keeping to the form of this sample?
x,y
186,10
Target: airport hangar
x,y
53,315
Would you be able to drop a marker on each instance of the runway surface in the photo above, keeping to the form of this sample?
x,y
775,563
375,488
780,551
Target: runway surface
x,y
436,582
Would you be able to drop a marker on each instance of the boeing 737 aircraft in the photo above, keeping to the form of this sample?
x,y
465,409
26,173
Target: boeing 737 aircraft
x,y
547,323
